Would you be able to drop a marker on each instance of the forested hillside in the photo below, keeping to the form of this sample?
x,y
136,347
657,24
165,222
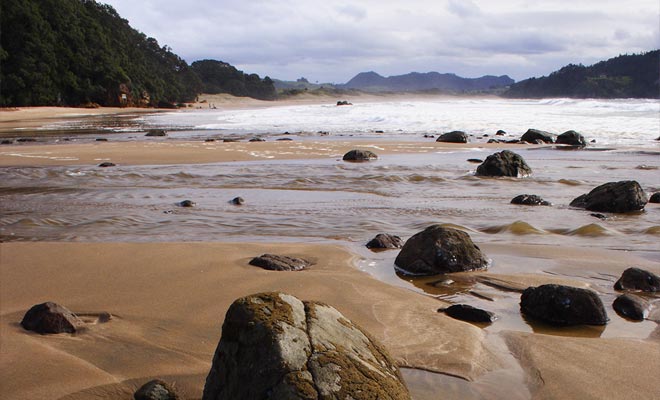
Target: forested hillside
x,y
625,76
75,52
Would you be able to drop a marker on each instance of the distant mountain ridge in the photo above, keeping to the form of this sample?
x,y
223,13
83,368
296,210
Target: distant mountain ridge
x,y
625,76
416,81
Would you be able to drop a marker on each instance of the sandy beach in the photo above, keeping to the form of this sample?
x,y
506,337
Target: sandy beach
x,y
168,299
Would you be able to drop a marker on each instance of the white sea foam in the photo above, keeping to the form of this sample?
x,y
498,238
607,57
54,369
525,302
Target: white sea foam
x,y
631,122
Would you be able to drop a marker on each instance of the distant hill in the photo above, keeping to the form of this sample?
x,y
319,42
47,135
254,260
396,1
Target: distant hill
x,y
416,82
626,76
76,52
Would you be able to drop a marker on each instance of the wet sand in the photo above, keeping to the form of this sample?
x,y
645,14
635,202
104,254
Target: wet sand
x,y
168,301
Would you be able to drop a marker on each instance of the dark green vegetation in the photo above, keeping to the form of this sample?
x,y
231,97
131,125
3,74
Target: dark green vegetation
x,y
77,52
625,76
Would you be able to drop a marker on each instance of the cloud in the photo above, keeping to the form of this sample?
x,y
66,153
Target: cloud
x,y
333,41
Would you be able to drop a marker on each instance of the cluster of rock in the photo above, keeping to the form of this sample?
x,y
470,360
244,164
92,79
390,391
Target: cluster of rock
x,y
630,305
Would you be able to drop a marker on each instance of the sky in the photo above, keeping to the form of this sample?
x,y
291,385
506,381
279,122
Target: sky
x,y
332,41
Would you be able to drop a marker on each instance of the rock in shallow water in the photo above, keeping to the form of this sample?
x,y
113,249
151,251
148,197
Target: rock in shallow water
x,y
632,307
563,305
655,198
538,136
616,197
51,317
274,346
385,241
274,262
439,250
453,137
360,155
571,138
529,200
638,279
504,163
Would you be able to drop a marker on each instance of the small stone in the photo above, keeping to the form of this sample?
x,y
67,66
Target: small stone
x,y
599,216
465,312
156,390
101,139
385,241
616,197
256,139
504,163
107,164
538,136
638,279
209,140
187,203
156,132
359,156
286,139
237,201
7,141
529,200
632,307
26,140
571,138
453,137
500,133
475,160
274,262
50,317
655,198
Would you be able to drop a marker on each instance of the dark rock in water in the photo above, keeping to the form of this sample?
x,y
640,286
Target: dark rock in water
x,y
379,131
7,141
274,346
571,138
50,317
599,216
534,135
101,139
344,103
468,313
500,133
593,141
187,203
229,140
475,160
563,305
655,198
453,137
385,241
504,163
274,262
25,140
156,132
360,155
514,141
237,201
617,197
209,140
439,250
631,306
107,164
429,136
495,141
256,139
638,279
284,139
156,390
529,200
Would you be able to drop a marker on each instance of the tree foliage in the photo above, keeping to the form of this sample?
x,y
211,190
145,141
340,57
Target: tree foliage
x,y
72,52
220,77
625,76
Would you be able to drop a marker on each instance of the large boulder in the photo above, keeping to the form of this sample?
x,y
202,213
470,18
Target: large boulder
x,y
275,262
616,197
571,138
385,241
360,155
439,250
638,279
51,317
536,136
156,390
274,346
504,163
563,305
632,307
453,137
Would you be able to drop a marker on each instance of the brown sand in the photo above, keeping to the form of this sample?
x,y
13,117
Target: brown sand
x,y
169,300
188,152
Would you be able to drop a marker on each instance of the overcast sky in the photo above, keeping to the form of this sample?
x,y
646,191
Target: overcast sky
x,y
331,41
